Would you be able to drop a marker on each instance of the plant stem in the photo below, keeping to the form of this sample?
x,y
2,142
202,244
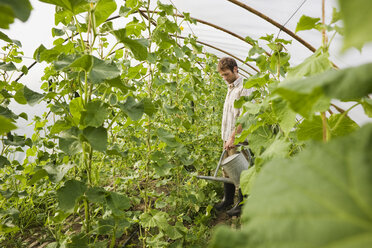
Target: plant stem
x,y
81,36
87,217
325,127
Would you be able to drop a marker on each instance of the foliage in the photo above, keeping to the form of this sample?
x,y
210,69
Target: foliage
x,y
128,128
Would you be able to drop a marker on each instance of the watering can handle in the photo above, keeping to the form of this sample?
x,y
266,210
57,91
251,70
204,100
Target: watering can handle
x,y
219,163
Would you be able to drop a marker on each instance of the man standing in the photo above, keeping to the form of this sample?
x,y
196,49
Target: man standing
x,y
228,69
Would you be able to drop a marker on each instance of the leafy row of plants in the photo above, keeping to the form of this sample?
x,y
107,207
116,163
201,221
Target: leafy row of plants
x,y
131,120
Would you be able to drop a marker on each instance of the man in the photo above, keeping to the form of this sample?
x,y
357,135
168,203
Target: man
x,y
228,69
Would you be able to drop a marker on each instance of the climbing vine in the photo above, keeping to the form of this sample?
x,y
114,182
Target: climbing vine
x,y
133,115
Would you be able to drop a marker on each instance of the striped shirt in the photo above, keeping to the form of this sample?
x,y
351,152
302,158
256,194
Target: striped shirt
x,y
230,114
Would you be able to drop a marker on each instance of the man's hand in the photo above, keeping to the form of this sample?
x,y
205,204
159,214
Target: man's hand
x,y
230,143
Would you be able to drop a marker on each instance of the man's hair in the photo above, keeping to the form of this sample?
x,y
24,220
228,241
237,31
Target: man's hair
x,y
226,63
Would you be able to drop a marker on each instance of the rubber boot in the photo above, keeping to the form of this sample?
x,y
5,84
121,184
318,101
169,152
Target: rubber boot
x,y
237,209
228,198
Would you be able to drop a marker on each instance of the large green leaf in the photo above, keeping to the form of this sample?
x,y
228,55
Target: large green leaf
x,y
132,108
75,6
346,84
148,107
367,106
103,10
10,9
97,137
7,66
307,23
285,115
69,141
135,27
76,107
98,70
4,37
167,137
6,125
315,64
6,16
85,63
31,96
321,198
118,203
69,194
138,47
6,112
95,114
339,125
102,70
357,20
57,172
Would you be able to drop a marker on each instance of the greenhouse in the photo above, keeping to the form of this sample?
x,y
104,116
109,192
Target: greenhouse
x,y
174,123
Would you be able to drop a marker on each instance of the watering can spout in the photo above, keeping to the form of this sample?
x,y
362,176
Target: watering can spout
x,y
218,179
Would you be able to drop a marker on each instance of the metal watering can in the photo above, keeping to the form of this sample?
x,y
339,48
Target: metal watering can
x,y
233,167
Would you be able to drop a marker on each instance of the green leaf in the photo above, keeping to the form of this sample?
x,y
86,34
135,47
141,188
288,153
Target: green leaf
x,y
7,66
32,97
57,172
148,107
69,141
57,32
6,112
225,237
307,23
336,15
172,232
75,6
95,114
69,194
256,82
102,70
315,64
103,10
138,47
131,3
118,83
10,9
76,107
320,198
3,160
247,178
96,195
285,115
85,63
6,125
118,203
6,16
23,115
155,218
80,240
132,108
357,21
4,37
97,137
39,174
339,125
305,104
347,84
135,27
167,8
167,137
279,148
367,106
59,126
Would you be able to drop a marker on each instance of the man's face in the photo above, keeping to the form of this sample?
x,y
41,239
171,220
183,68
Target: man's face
x,y
228,75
